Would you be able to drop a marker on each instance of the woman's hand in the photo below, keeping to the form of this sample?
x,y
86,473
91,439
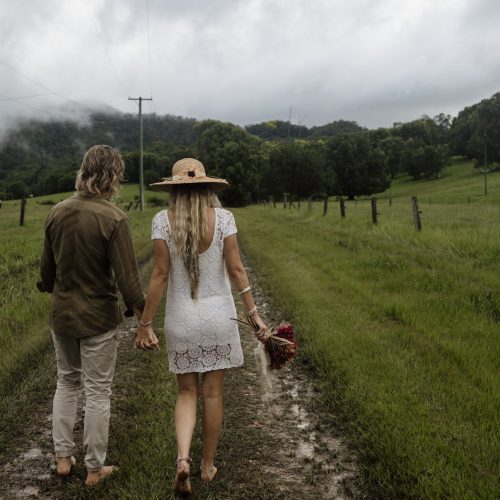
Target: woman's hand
x,y
145,338
263,332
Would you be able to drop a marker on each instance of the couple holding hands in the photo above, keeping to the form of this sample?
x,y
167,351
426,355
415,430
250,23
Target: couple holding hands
x,y
88,254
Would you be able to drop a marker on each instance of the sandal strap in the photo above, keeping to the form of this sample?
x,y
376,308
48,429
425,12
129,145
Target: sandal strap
x,y
189,460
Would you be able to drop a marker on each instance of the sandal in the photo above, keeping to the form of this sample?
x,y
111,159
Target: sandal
x,y
182,485
208,473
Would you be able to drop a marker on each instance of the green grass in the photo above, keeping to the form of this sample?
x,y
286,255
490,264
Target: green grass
x,y
403,326
460,183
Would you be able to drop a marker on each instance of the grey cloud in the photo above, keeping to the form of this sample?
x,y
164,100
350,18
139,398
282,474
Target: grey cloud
x,y
375,61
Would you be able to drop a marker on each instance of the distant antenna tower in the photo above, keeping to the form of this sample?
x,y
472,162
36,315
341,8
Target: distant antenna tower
x,y
141,161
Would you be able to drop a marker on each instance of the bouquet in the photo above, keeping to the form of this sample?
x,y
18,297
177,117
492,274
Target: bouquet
x,y
280,345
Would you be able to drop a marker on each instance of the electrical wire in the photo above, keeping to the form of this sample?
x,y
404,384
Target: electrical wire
x,y
21,103
149,50
29,79
104,48
20,98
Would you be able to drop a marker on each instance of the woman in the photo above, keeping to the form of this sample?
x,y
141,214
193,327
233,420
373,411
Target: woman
x,y
194,244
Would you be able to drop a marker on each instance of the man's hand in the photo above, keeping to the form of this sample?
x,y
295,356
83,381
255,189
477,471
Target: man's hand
x,y
145,338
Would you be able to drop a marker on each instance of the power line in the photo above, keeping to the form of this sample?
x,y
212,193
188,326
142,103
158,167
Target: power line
x,y
58,94
149,50
21,103
20,98
104,48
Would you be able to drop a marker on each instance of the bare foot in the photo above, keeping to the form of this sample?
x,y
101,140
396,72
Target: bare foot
x,y
63,465
94,477
208,473
182,485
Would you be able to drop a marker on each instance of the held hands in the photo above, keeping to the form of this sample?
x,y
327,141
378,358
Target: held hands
x,y
145,338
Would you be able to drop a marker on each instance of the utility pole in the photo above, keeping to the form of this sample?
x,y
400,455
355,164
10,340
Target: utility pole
x,y
141,162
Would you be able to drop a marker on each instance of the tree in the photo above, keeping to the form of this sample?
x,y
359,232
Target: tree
x,y
476,131
420,160
297,169
393,149
229,152
359,168
16,190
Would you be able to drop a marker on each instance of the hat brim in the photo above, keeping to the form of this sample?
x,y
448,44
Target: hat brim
x,y
167,184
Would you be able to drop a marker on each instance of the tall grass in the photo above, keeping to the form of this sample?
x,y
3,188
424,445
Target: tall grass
x,y
403,326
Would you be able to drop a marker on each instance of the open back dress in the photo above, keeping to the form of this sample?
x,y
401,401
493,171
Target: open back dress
x,y
200,334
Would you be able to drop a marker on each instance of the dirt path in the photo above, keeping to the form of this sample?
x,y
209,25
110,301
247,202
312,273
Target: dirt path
x,y
277,440
286,447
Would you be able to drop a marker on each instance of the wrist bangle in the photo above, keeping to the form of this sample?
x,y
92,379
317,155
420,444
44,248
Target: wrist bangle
x,y
147,323
252,311
245,290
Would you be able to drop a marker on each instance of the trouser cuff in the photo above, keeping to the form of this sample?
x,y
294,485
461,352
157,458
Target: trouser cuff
x,y
64,452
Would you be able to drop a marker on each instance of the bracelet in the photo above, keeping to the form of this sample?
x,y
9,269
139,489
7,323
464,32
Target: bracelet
x,y
252,311
245,290
145,324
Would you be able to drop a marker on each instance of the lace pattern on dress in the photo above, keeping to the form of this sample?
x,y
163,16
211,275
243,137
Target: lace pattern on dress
x,y
200,335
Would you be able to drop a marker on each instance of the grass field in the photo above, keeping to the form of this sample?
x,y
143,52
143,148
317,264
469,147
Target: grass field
x,y
403,326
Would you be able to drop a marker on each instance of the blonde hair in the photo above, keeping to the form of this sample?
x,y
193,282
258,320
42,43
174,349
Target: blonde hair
x,y
101,171
189,207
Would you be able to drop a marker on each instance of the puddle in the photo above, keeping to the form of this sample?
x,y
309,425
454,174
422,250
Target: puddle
x,y
33,454
300,416
28,492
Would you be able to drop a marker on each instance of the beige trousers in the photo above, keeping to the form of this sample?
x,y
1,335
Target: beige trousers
x,y
94,358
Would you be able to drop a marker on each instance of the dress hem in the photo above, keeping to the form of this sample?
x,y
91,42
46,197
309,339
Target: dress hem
x,y
208,369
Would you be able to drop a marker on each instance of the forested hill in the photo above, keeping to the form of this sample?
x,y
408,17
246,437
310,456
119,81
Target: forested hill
x,y
41,157
261,161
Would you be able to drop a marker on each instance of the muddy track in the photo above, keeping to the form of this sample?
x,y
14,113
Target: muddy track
x,y
278,440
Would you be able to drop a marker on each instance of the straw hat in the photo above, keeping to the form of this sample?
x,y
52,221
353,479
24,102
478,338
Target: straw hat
x,y
189,171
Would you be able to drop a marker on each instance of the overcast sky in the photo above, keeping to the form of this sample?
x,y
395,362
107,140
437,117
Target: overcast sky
x,y
247,61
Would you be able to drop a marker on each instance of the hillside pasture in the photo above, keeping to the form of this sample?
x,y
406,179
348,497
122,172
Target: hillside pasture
x,y
401,326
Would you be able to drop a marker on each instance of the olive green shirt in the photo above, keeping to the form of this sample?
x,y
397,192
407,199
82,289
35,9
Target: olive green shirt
x,y
87,252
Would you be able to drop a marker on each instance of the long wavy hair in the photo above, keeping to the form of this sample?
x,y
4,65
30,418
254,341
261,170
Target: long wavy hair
x,y
101,171
189,207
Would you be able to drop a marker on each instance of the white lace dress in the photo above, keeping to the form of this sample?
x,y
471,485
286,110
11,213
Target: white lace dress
x,y
200,334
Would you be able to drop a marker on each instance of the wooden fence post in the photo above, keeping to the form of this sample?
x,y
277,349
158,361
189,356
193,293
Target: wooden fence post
x,y
342,207
416,213
325,206
23,208
374,211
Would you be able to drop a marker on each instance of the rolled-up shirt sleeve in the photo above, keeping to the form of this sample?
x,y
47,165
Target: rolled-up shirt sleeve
x,y
122,259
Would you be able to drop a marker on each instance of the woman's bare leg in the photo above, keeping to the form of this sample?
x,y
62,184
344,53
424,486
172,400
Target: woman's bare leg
x,y
212,390
185,412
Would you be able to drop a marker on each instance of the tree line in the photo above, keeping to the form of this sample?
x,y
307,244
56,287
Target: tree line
x,y
261,161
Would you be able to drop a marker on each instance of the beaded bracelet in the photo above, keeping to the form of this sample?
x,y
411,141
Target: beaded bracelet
x,y
245,290
145,324
252,311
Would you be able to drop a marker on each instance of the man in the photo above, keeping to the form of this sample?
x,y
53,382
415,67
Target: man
x,y
87,252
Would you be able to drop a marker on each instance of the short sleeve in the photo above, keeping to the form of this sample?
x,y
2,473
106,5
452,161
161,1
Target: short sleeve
x,y
159,226
228,224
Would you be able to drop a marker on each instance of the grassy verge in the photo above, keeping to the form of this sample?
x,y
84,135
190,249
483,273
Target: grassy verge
x,y
404,329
